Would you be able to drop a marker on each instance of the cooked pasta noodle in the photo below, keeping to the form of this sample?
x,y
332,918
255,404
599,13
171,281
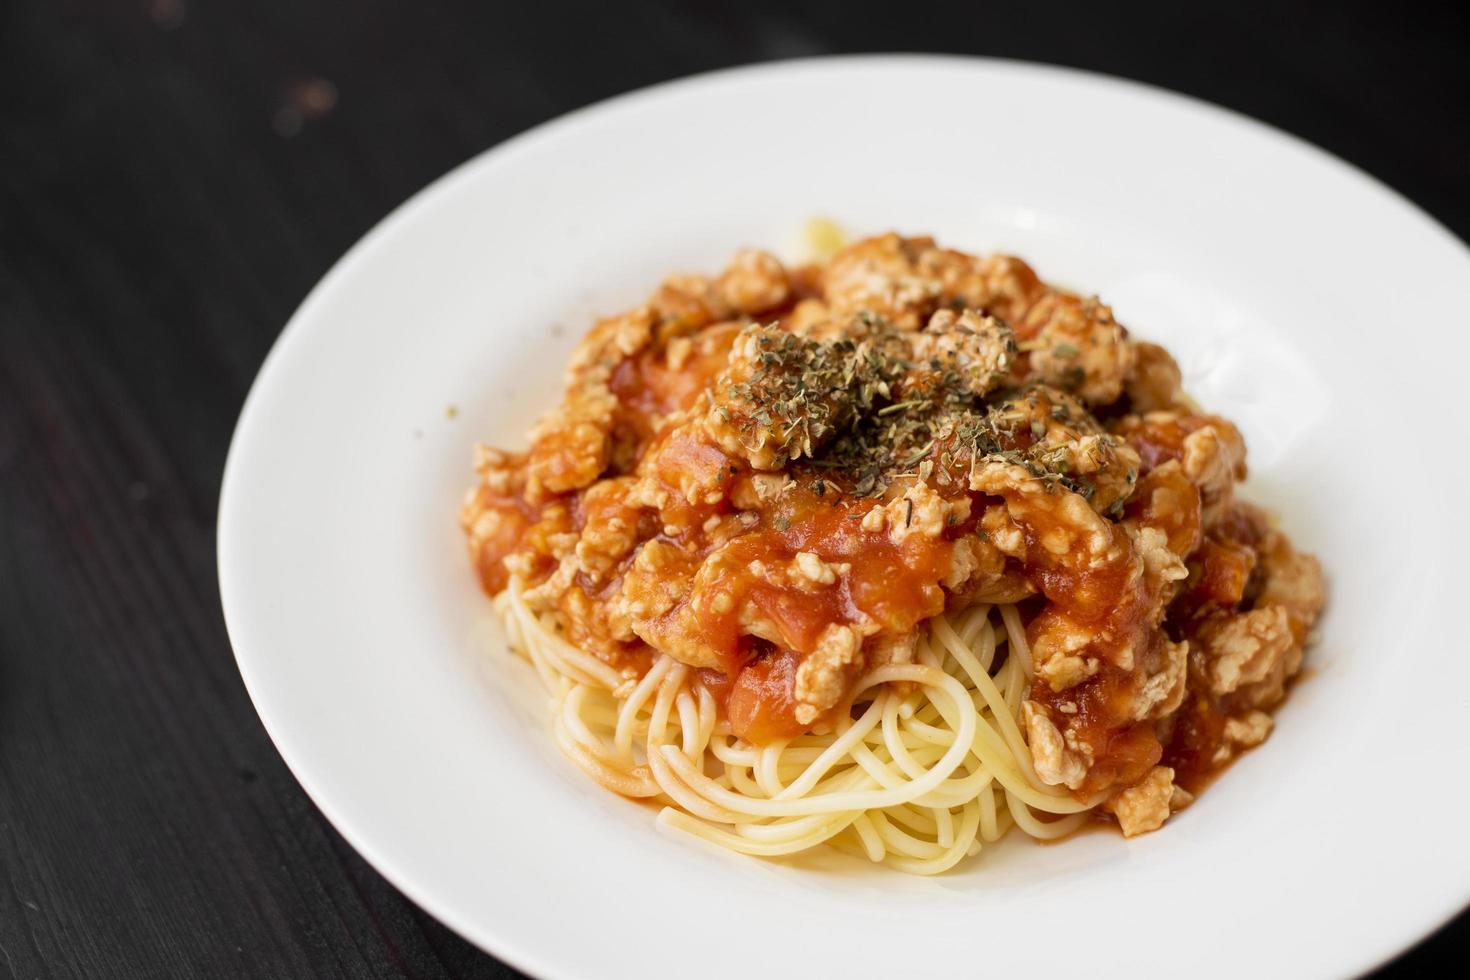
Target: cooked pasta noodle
x,y
927,767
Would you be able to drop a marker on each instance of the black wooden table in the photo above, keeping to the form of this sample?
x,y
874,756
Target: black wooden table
x,y
176,174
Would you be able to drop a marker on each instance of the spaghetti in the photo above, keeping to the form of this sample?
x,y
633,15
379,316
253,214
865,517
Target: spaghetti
x,y
927,766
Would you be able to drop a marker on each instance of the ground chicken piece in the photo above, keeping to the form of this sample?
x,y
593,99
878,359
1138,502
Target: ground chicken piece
x,y
609,342
1163,568
1076,345
677,353
976,566
809,571
919,511
1055,433
1066,645
1145,805
1210,450
654,602
683,304
1000,285
1057,764
1245,648
812,319
783,397
487,525
1291,580
1003,533
977,348
500,472
1249,729
1213,455
754,282
570,448
593,626
610,530
1154,384
572,445
681,470
759,490
546,553
1166,500
878,276
1061,522
1242,732
1272,689
679,635
670,596
490,516
543,544
1163,691
822,678
493,532
753,621
1102,463
1062,670
547,594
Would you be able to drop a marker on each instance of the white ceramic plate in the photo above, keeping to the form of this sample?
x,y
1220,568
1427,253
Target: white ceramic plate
x,y
1309,303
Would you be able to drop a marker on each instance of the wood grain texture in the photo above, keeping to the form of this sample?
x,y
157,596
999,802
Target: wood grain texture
x,y
174,176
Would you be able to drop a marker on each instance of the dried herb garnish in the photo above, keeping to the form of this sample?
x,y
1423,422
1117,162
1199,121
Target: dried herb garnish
x,y
861,413
806,390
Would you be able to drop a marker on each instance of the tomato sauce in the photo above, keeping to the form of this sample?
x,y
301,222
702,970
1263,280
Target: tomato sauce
x,y
515,519
762,701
